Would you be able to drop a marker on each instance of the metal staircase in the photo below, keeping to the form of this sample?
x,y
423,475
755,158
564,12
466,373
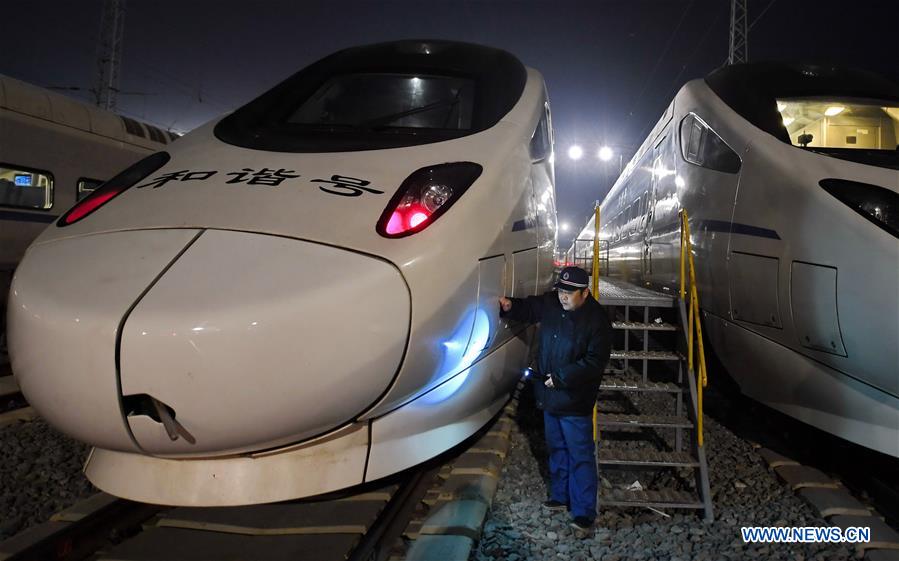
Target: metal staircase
x,y
667,440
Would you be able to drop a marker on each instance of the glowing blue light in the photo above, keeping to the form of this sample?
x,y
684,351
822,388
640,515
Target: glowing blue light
x,y
458,367
480,334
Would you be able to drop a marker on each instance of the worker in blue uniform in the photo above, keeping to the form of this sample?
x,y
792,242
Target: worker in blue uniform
x,y
575,342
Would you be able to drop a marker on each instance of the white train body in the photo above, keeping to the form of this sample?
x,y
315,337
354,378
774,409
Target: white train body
x,y
53,151
798,288
301,346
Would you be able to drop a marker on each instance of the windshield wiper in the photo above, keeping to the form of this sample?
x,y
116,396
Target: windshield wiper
x,y
385,119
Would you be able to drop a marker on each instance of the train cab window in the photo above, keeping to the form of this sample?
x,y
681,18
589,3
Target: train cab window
x,y
541,142
700,145
381,101
86,187
25,188
388,95
861,130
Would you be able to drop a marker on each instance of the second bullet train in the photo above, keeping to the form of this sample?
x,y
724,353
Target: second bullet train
x,y
301,296
790,176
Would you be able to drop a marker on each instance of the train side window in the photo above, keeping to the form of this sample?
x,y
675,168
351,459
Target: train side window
x,y
86,186
691,132
25,188
541,144
133,127
156,134
702,146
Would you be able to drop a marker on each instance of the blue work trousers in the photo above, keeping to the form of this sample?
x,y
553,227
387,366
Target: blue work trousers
x,y
572,462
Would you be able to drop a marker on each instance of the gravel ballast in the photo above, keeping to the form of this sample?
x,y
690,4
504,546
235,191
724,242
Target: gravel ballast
x,y
40,475
744,493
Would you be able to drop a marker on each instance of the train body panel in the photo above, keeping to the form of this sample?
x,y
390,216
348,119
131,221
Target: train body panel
x,y
798,288
297,297
329,463
812,392
184,344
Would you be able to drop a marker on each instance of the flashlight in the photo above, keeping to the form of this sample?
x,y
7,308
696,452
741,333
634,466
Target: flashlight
x,y
528,371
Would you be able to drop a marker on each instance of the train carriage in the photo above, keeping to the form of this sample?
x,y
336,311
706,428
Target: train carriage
x,y
789,176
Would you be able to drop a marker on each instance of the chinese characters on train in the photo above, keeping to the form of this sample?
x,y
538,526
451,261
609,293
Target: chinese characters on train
x,y
342,185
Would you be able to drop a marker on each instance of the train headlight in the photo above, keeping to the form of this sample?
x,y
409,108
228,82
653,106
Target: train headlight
x,y
877,204
113,188
424,196
435,196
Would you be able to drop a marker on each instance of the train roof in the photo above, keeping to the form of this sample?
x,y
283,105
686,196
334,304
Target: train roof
x,y
752,89
498,79
27,99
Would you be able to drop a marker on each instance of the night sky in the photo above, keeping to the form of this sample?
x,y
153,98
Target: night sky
x,y
611,67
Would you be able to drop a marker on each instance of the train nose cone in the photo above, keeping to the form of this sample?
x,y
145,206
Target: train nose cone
x,y
65,307
252,341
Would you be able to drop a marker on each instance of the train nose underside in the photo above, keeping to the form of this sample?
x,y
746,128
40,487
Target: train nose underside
x,y
198,343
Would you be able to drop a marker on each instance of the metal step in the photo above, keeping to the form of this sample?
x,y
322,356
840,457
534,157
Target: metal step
x,y
648,458
629,383
663,498
637,325
619,420
647,355
613,292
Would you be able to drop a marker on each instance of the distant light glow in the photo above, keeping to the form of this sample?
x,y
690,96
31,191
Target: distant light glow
x,y
788,121
605,153
575,152
834,110
564,226
781,107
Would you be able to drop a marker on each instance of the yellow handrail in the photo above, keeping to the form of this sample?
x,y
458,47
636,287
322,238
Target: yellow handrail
x,y
595,288
694,327
596,252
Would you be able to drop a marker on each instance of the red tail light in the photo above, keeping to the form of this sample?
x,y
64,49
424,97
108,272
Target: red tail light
x,y
424,196
113,188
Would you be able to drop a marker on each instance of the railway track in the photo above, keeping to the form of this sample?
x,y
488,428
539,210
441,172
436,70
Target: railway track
x,y
369,523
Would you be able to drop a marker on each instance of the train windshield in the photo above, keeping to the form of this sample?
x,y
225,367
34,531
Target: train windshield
x,y
381,101
387,95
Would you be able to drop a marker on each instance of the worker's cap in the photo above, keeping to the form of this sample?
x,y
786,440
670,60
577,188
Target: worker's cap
x,y
572,278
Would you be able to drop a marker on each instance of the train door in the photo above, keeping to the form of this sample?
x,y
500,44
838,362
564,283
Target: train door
x,y
646,220
712,174
660,231
528,231
543,182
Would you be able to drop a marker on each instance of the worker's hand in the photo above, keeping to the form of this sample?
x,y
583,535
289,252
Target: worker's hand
x,y
549,382
505,303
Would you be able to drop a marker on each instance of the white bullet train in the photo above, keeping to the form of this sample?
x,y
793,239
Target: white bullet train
x,y
301,296
789,175
55,150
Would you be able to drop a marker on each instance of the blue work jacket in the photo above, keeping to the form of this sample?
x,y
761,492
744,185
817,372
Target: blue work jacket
x,y
574,349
